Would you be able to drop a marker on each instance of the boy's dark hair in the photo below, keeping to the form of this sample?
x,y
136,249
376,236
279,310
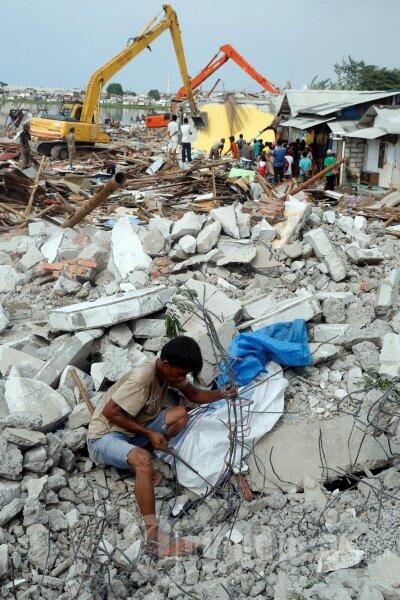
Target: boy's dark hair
x,y
186,120
279,143
241,135
183,352
174,117
304,154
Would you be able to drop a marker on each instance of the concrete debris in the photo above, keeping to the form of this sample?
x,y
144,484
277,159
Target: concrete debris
x,y
344,557
127,253
326,252
94,299
105,312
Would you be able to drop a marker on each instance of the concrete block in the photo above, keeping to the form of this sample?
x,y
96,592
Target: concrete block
x,y
30,259
127,252
162,224
365,256
323,352
296,452
295,215
264,263
208,237
209,372
226,215
198,259
235,252
388,292
154,242
120,334
105,312
30,395
190,224
326,252
389,359
267,310
335,333
71,352
9,357
293,251
188,244
243,221
8,491
263,232
145,328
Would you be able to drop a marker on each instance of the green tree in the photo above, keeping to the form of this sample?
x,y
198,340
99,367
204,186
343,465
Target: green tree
x,y
321,84
154,94
115,89
357,75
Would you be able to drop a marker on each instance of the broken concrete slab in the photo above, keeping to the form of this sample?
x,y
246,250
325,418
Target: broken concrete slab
x,y
326,252
226,215
295,215
9,279
365,256
98,374
120,335
162,224
263,232
145,328
335,333
114,309
199,259
243,221
71,352
264,263
24,438
51,248
296,452
388,292
9,357
208,237
323,352
127,252
189,224
225,332
389,359
293,250
30,259
267,310
235,251
385,570
36,397
345,557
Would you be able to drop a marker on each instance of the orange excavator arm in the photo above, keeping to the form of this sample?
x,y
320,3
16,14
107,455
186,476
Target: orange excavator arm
x,y
228,52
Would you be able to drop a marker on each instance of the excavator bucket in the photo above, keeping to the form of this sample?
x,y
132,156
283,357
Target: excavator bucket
x,y
201,120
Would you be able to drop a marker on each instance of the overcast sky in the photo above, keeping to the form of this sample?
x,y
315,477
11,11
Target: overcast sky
x,y
59,43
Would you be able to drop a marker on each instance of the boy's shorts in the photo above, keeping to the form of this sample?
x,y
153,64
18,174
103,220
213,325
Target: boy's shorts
x,y
113,448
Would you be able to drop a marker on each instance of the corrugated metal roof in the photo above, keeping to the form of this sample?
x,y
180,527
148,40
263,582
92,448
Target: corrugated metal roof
x,y
324,102
342,127
388,118
369,133
304,122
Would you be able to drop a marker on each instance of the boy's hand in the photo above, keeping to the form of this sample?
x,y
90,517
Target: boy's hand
x,y
229,391
157,440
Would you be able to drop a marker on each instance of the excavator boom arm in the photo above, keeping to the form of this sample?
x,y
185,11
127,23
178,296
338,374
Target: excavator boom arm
x,y
110,68
228,52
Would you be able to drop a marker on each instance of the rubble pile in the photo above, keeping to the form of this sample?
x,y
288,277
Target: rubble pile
x,y
93,300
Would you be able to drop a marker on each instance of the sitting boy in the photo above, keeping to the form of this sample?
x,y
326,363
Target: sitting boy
x,y
129,418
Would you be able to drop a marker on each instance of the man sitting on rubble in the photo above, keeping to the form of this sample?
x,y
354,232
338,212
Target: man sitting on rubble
x,y
129,419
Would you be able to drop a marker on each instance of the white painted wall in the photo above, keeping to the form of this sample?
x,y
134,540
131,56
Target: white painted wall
x,y
389,175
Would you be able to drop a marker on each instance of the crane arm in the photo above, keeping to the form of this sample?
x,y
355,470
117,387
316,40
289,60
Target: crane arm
x,y
139,43
228,52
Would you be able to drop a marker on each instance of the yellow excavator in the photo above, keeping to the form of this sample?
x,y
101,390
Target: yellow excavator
x,y
84,116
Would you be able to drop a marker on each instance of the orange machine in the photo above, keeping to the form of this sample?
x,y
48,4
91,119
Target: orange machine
x,y
227,52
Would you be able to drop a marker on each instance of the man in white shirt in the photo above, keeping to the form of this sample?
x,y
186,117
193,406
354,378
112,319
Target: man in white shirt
x,y
172,131
186,141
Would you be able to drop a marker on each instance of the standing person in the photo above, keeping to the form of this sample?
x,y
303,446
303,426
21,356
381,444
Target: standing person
x,y
296,157
262,164
172,132
110,166
24,145
288,164
130,417
71,146
240,143
216,149
304,165
278,155
330,159
186,134
256,149
233,148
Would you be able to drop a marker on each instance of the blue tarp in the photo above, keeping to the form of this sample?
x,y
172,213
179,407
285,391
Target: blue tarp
x,y
284,343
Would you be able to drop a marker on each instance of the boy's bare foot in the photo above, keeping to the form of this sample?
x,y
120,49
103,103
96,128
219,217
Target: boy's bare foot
x,y
162,545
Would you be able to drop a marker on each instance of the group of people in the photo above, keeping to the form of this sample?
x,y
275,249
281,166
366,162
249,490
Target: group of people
x,y
278,160
180,134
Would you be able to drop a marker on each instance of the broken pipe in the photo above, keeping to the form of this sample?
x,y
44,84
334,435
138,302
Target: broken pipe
x,y
114,184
